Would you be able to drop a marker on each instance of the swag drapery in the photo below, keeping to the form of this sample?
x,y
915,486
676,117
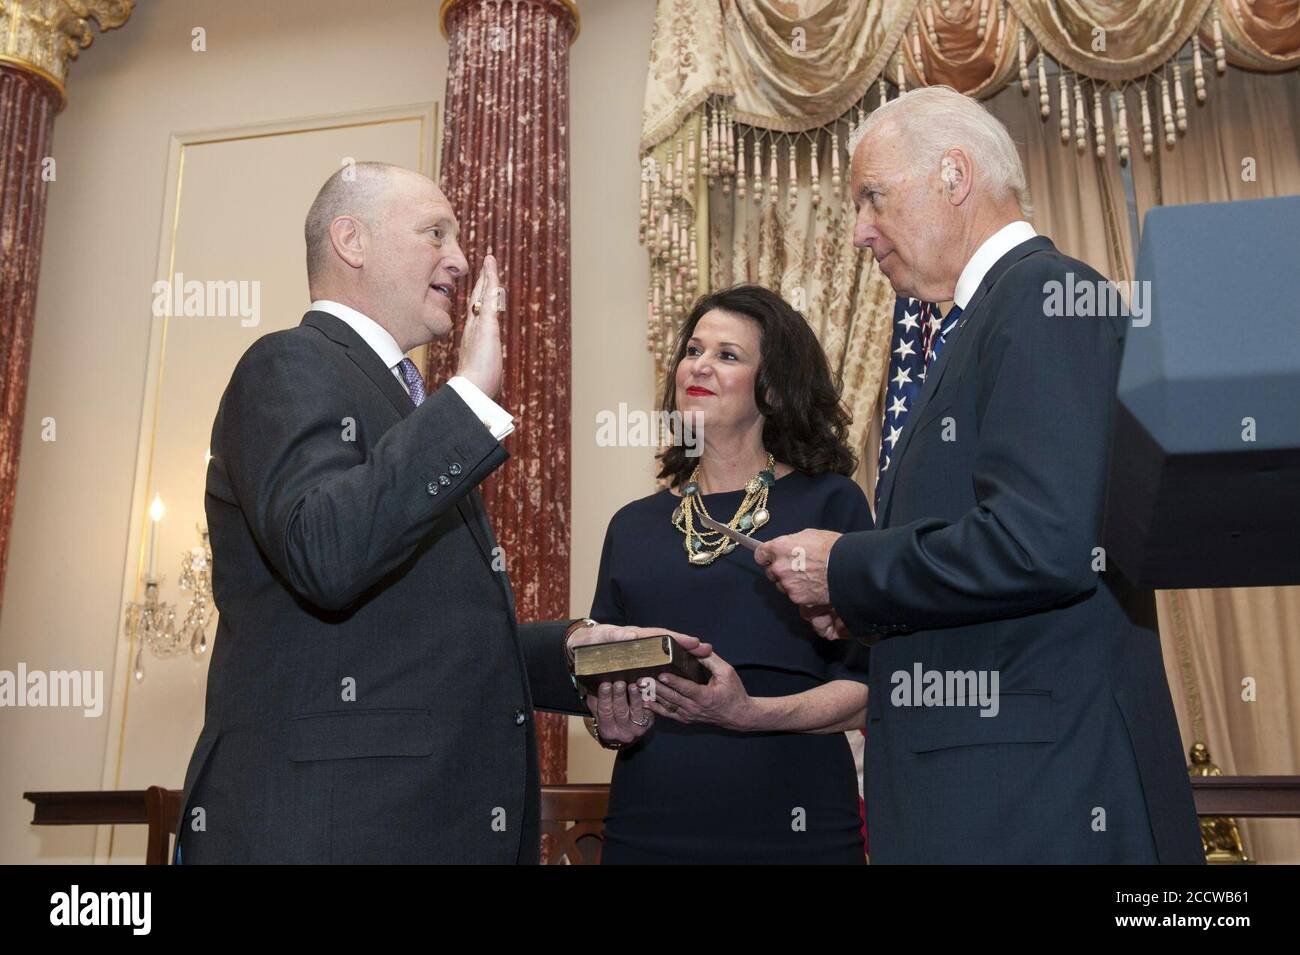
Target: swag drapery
x,y
744,172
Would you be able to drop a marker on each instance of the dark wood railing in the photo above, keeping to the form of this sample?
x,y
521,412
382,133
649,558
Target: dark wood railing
x,y
574,814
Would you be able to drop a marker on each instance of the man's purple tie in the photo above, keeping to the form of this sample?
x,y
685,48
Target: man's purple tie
x,y
414,381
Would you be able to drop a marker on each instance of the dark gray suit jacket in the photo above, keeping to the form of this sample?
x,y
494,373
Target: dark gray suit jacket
x,y
370,696
988,519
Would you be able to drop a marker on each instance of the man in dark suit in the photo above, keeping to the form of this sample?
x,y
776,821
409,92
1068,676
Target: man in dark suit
x,y
1018,707
370,695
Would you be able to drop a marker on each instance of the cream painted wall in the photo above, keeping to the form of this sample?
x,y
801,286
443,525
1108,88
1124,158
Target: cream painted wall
x,y
264,63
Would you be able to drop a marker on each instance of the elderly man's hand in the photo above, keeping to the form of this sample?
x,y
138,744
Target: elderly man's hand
x,y
796,563
826,622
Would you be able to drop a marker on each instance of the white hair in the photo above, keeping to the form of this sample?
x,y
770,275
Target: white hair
x,y
933,119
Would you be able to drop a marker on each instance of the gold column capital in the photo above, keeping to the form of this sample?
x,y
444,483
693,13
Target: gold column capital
x,y
445,6
41,36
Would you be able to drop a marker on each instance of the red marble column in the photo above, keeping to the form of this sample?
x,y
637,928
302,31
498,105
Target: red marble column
x,y
28,103
38,38
505,170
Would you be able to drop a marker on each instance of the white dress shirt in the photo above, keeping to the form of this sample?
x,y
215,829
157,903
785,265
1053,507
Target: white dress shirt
x,y
498,420
987,255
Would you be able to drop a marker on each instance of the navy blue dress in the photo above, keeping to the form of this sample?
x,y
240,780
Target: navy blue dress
x,y
699,794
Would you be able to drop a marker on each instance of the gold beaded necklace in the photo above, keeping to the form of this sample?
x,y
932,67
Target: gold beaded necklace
x,y
704,546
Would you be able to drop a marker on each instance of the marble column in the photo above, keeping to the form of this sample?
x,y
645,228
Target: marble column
x,y
505,170
37,39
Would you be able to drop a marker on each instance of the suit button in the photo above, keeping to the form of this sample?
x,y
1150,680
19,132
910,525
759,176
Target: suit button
x,y
444,480
432,488
520,717
454,469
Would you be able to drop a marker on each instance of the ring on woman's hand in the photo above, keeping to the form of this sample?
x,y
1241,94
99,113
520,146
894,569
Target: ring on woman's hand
x,y
644,722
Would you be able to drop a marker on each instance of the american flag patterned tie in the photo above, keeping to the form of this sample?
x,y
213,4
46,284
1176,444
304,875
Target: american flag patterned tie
x,y
919,334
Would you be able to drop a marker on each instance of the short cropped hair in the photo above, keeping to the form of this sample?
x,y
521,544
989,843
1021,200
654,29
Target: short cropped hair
x,y
356,189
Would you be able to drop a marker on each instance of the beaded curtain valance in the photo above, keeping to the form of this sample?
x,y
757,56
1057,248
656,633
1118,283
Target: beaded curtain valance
x,y
754,99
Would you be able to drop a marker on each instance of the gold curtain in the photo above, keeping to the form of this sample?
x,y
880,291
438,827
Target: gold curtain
x,y
786,65
796,65
795,75
1093,92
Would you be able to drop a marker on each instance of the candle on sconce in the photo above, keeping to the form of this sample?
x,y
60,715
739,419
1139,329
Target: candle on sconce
x,y
156,512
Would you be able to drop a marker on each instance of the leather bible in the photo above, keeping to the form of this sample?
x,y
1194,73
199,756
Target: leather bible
x,y
630,660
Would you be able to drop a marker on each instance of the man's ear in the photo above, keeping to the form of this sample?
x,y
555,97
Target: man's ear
x,y
955,171
347,237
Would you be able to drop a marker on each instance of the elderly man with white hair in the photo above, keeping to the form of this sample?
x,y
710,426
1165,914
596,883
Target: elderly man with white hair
x,y
1018,708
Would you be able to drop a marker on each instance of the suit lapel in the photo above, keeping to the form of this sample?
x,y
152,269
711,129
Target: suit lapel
x,y
364,357
946,358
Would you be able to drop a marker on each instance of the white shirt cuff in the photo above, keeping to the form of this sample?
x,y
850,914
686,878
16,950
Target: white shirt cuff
x,y
498,420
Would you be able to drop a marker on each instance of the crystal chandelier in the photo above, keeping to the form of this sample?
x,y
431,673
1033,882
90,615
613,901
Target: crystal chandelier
x,y
152,624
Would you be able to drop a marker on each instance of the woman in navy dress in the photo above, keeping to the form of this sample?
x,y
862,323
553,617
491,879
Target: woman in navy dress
x,y
758,768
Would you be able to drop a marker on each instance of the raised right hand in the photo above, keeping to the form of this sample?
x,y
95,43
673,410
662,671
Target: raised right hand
x,y
480,344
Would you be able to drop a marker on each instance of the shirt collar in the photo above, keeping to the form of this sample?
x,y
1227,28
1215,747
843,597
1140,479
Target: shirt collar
x,y
987,255
372,333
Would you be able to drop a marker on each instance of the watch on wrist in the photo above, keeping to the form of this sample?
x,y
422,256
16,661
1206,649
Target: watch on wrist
x,y
583,624
574,627
593,727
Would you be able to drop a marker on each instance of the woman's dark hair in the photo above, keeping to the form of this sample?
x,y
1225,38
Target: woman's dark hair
x,y
806,424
